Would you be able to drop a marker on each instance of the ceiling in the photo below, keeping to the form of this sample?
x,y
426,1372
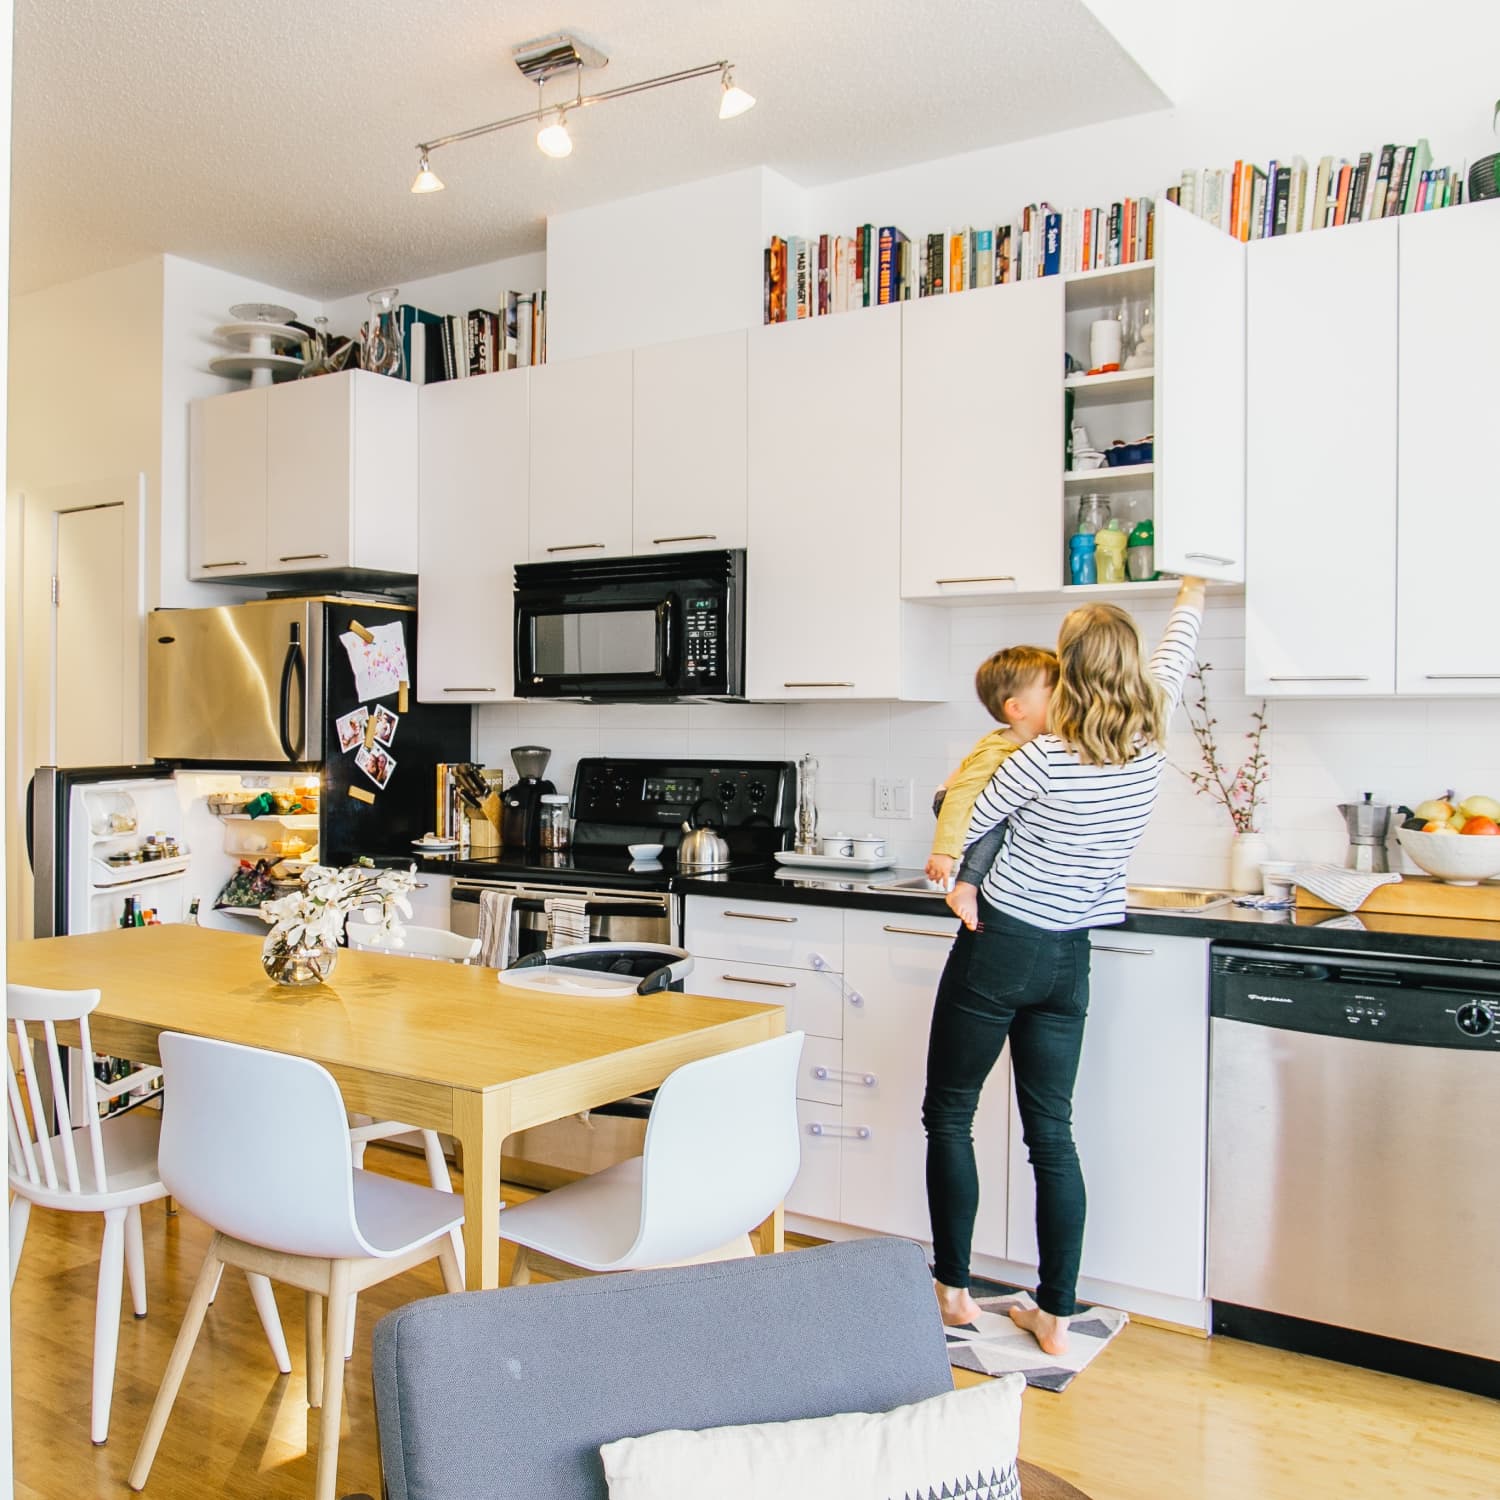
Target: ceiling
x,y
275,138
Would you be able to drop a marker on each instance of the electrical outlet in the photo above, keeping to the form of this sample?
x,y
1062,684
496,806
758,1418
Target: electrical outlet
x,y
892,797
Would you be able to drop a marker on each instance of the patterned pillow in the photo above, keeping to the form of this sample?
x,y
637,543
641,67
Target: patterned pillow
x,y
961,1445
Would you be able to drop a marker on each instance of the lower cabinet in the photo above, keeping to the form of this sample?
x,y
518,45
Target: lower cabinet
x,y
1140,1117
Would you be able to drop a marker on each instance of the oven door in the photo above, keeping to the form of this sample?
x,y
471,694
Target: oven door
x,y
637,918
581,647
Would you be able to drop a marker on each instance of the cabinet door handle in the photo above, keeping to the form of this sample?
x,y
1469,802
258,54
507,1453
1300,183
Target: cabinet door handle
x,y
304,557
770,984
823,1075
1209,557
947,937
845,1132
817,684
755,916
1130,952
471,690
1463,676
1314,677
991,578
237,563
579,547
708,536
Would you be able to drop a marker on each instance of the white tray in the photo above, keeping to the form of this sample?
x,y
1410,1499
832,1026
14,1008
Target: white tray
x,y
830,861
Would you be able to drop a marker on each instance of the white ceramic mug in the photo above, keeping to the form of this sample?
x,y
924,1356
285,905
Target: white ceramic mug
x,y
869,847
839,844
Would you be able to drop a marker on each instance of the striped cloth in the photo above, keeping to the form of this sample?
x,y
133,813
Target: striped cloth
x,y
567,921
497,927
1074,827
1340,886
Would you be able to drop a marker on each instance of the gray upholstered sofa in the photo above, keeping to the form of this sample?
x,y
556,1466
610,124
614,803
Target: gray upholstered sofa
x,y
507,1395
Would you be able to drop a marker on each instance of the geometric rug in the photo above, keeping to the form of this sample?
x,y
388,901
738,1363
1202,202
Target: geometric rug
x,y
993,1345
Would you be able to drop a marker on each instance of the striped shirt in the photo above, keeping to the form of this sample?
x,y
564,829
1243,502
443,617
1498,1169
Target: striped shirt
x,y
1071,828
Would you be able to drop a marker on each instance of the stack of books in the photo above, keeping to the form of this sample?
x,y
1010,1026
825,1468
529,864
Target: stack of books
x,y
437,347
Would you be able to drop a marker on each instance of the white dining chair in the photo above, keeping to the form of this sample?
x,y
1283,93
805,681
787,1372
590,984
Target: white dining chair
x,y
722,1149
415,942
102,1166
280,1190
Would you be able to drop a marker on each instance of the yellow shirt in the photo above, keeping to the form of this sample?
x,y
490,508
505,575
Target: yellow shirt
x,y
964,786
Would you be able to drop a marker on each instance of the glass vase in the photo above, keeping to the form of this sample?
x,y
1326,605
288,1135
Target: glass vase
x,y
381,353
309,962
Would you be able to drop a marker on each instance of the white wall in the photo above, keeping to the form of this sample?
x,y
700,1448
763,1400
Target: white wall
x,y
450,293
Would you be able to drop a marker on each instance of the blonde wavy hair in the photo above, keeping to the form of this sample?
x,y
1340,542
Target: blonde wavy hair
x,y
1107,707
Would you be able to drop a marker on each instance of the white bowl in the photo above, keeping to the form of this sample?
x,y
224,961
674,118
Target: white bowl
x,y
1457,858
643,852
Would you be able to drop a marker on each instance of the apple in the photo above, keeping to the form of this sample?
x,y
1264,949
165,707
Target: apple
x,y
1457,821
1439,828
1481,826
1437,810
1480,807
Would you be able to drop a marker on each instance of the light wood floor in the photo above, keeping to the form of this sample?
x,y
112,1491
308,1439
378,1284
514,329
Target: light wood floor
x,y
1160,1416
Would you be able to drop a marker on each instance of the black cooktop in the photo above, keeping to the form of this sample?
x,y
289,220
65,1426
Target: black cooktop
x,y
600,868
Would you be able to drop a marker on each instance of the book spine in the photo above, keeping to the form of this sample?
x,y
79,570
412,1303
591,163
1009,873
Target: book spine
x,y
1281,201
1341,198
1112,258
1397,188
822,303
1267,225
1150,233
885,287
1234,199
1005,270
1052,252
1357,185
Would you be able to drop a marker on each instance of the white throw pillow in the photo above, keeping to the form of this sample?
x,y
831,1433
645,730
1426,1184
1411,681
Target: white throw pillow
x,y
962,1444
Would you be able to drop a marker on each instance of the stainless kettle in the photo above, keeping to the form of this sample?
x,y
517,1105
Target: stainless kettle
x,y
702,847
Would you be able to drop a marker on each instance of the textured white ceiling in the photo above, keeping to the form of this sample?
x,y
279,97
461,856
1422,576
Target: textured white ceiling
x,y
274,137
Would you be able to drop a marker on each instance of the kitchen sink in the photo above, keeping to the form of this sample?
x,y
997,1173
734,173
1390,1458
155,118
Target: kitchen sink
x,y
912,885
1173,898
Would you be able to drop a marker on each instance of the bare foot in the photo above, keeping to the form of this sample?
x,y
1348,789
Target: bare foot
x,y
1051,1333
956,1305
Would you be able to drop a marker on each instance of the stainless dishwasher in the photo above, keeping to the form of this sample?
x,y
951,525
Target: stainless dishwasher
x,y
1354,1204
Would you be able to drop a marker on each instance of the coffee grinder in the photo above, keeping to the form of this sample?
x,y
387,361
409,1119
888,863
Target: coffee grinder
x,y
521,812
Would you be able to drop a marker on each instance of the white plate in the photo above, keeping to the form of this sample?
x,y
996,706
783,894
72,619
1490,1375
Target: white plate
x,y
262,312
434,843
243,335
236,366
830,861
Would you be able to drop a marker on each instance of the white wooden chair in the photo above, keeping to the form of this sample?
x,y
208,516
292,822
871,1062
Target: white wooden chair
x,y
281,1193
103,1166
722,1149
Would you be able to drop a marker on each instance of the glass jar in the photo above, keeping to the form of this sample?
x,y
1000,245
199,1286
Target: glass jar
x,y
1093,514
554,833
381,352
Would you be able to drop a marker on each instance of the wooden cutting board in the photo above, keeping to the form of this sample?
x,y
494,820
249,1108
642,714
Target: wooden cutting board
x,y
1422,896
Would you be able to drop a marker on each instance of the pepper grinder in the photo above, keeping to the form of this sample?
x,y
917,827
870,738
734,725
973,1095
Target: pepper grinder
x,y
807,807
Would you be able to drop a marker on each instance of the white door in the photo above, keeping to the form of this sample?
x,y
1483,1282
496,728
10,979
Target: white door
x,y
892,964
689,449
228,484
93,687
473,531
309,473
1320,604
823,596
982,442
1200,398
1140,1118
1449,388
581,458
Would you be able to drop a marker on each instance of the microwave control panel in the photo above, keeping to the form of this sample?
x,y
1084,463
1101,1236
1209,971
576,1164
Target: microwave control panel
x,y
702,648
638,792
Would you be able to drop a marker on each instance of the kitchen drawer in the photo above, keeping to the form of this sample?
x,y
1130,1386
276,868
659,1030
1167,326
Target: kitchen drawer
x,y
767,932
814,1000
820,1077
816,1190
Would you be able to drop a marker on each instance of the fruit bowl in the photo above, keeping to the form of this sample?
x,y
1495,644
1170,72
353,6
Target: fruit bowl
x,y
1455,858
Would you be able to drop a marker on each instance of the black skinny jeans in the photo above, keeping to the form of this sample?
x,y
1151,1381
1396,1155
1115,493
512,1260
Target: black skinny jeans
x,y
1032,985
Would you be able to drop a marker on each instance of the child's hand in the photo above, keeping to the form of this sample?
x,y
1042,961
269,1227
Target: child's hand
x,y
939,868
963,902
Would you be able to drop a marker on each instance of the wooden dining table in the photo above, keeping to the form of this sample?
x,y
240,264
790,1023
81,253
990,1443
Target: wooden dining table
x,y
444,1047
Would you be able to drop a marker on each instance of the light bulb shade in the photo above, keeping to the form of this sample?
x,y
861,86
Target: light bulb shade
x,y
426,180
554,139
734,100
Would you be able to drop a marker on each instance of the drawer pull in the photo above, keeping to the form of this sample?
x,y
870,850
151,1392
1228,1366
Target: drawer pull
x,y
471,690
770,984
238,563
1131,952
823,1075
1209,557
707,536
1315,678
845,1132
947,937
305,557
1463,676
579,547
992,578
817,684
755,916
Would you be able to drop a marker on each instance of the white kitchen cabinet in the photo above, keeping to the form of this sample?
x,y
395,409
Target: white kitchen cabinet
x,y
813,998
981,442
689,444
473,509
581,467
1449,386
892,966
1140,1118
1320,608
1200,398
816,1190
824,615
228,484
781,933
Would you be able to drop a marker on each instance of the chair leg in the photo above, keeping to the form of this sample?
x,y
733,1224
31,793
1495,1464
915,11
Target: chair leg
x,y
456,1239
135,1260
314,1320
437,1164
20,1217
170,1204
353,1314
107,1319
213,1296
520,1272
270,1319
448,1263
333,1383
182,1350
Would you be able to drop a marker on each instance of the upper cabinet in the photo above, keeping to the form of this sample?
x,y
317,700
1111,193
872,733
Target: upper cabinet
x,y
475,464
581,465
689,450
1448,386
981,437
1320,612
309,476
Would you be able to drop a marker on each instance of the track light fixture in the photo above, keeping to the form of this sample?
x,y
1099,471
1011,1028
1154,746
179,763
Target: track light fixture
x,y
547,58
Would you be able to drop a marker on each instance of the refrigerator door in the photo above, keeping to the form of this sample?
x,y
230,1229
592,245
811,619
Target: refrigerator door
x,y
239,683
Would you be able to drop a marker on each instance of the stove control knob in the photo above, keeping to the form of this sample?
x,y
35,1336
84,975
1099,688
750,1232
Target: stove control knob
x,y
756,792
1474,1019
727,792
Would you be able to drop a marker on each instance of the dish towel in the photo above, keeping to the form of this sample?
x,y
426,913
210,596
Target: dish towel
x,y
567,922
496,929
1346,889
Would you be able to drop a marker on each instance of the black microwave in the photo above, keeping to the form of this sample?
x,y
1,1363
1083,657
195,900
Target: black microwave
x,y
670,625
